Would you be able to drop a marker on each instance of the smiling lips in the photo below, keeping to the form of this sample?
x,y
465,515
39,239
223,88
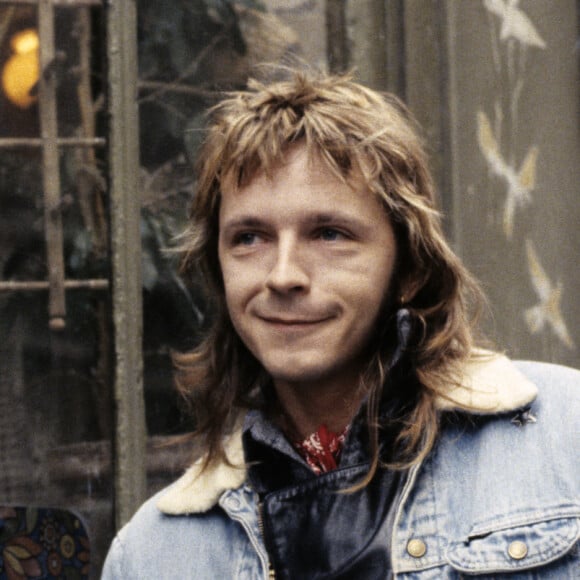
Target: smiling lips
x,y
293,322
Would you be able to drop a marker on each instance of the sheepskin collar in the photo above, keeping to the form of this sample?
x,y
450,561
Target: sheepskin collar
x,y
491,385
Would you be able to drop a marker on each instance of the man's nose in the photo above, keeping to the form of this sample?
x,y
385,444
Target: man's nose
x,y
289,272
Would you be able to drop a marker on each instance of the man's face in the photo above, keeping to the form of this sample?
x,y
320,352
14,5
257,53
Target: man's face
x,y
307,263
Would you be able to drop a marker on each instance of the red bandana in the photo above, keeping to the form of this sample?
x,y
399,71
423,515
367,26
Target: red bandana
x,y
321,449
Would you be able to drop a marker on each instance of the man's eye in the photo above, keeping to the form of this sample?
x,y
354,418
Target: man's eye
x,y
245,239
331,235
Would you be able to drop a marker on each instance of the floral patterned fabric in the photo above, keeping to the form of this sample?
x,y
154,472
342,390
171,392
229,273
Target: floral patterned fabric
x,y
38,543
321,449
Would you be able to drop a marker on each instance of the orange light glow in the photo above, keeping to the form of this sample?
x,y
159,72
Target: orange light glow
x,y
20,73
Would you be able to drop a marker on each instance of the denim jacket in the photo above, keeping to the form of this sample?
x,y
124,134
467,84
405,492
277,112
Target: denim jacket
x,y
498,497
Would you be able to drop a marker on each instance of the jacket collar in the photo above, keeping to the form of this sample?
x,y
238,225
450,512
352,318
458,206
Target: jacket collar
x,y
491,384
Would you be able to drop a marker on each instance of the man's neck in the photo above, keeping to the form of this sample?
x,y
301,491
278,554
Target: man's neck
x,y
305,407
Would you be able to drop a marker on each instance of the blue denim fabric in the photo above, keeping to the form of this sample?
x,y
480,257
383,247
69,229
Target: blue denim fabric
x,y
224,542
491,481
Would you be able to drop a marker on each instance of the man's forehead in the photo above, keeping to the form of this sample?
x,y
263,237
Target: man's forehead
x,y
317,165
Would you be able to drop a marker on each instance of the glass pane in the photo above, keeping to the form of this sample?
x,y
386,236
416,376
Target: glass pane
x,y
56,386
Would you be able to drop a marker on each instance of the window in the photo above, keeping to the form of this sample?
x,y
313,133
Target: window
x,y
57,354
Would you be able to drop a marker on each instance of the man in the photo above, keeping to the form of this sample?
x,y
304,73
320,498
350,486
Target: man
x,y
350,428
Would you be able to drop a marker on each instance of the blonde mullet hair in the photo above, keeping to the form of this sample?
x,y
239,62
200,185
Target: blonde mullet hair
x,y
356,132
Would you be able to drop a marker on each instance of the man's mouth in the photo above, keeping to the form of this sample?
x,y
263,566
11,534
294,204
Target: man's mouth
x,y
299,321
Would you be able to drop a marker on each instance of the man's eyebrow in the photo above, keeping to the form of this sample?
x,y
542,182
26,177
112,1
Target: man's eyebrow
x,y
243,222
334,217
324,218
337,217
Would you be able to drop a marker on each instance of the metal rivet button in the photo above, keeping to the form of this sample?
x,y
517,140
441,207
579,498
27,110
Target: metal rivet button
x,y
416,548
517,550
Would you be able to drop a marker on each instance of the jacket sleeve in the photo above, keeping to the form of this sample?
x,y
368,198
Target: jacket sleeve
x,y
114,563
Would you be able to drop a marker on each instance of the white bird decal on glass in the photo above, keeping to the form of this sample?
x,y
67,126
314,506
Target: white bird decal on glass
x,y
520,183
547,311
515,23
